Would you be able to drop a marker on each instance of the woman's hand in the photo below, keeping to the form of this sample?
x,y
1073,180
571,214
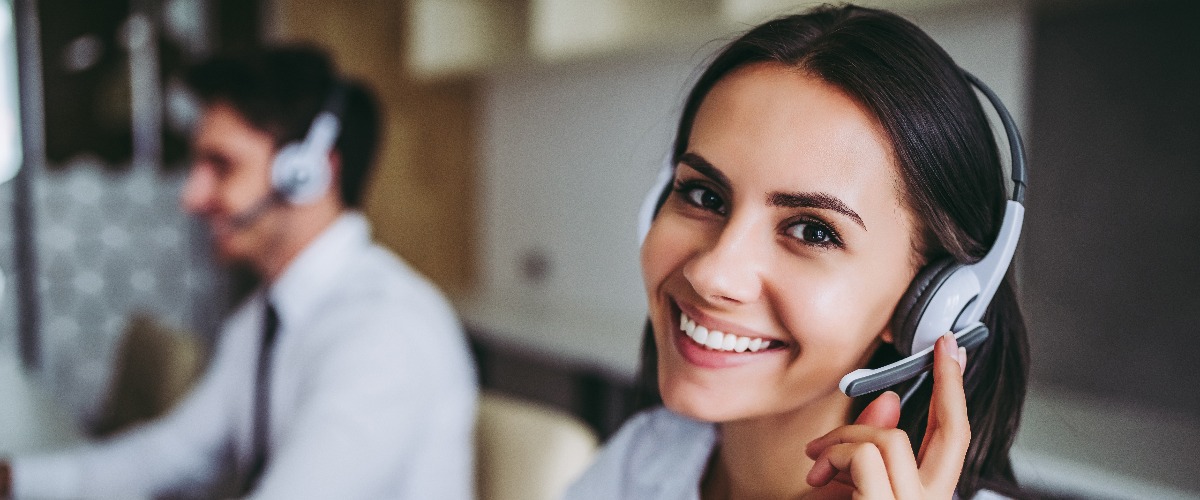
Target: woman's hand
x,y
876,459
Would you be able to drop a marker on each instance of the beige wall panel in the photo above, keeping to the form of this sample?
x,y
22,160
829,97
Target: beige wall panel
x,y
421,197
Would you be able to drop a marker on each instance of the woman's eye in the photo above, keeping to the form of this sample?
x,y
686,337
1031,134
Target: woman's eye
x,y
703,197
812,232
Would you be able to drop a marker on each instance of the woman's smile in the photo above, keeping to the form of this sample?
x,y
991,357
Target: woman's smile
x,y
707,342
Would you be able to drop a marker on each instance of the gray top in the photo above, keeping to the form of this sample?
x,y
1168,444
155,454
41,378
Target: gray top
x,y
657,455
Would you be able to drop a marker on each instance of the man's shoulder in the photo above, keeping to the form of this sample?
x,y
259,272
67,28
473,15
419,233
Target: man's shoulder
x,y
380,272
378,294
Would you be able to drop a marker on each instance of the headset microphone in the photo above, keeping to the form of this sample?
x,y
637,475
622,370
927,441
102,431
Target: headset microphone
x,y
945,296
247,217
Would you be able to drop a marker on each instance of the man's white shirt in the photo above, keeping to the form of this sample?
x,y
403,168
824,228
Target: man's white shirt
x,y
372,395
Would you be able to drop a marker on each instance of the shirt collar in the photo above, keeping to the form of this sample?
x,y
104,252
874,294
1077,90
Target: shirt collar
x,y
305,281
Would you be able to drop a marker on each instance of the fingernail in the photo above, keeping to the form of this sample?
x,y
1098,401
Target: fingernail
x,y
962,359
950,345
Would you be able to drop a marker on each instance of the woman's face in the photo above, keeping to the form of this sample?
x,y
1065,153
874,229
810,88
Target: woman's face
x,y
787,234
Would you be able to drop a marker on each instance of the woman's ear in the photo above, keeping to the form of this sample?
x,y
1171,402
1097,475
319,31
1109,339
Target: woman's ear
x,y
887,336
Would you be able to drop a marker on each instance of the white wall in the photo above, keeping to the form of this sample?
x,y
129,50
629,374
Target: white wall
x,y
568,153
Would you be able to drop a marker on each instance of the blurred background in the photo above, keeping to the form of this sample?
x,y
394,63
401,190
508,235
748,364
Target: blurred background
x,y
521,136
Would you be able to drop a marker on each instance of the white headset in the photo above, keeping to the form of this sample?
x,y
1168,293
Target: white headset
x,y
945,295
300,171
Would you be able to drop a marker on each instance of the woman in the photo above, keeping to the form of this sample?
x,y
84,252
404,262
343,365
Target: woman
x,y
821,160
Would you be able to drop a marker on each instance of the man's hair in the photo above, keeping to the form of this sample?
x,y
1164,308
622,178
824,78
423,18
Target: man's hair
x,y
280,91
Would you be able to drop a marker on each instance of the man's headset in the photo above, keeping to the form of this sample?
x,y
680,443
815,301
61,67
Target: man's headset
x,y
945,295
300,171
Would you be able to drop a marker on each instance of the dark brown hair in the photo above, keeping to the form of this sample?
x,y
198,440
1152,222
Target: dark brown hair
x,y
952,180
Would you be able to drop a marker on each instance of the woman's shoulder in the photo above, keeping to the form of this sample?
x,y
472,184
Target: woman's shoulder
x,y
656,454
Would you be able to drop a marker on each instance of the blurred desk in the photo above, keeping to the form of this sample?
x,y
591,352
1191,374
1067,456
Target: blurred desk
x,y
602,341
581,360
1087,447
29,419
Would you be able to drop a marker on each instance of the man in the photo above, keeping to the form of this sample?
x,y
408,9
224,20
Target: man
x,y
347,374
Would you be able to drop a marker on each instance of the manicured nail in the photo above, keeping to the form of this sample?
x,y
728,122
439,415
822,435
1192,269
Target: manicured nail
x,y
950,345
962,359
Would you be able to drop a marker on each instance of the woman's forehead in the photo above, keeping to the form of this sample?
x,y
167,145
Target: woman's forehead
x,y
768,126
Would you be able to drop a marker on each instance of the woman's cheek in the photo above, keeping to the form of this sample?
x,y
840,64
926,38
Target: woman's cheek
x,y
648,261
664,249
829,320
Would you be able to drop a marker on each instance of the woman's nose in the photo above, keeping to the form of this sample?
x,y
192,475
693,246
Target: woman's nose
x,y
730,270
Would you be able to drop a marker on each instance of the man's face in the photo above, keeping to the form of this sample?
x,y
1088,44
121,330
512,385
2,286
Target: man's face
x,y
230,176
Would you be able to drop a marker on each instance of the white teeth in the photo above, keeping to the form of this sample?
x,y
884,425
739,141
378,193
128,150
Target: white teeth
x,y
715,339
718,340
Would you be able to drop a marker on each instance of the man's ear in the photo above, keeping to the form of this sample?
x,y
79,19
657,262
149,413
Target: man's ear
x,y
335,166
335,173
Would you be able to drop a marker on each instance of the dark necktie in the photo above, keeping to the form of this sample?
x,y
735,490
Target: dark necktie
x,y
262,396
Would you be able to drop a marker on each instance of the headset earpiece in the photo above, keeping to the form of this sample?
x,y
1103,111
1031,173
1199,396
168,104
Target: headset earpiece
x,y
654,198
300,172
915,299
300,175
935,302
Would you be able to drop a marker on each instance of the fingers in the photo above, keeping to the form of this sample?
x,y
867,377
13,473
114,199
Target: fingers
x,y
875,427
883,412
949,432
865,465
835,452
876,458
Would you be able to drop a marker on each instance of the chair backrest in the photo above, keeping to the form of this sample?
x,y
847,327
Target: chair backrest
x,y
155,367
528,451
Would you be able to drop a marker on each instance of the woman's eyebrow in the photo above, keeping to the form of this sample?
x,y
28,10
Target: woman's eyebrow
x,y
699,164
813,200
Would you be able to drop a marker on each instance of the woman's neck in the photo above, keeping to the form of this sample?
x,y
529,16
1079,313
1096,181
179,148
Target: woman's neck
x,y
764,457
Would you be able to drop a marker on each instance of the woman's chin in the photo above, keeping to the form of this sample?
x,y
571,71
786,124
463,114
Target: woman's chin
x,y
738,402
707,405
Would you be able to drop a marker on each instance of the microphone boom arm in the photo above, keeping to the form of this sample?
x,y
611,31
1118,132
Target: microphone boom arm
x,y
868,380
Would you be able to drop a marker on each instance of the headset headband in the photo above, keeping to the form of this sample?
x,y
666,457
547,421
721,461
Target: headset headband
x,y
1016,146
